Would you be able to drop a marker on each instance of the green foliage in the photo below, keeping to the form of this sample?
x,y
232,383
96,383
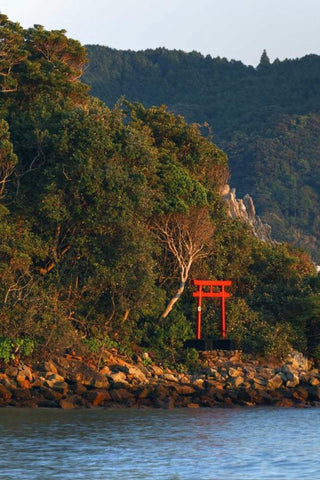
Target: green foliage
x,y
82,188
190,358
311,316
268,125
146,361
97,345
264,61
25,346
6,349
281,170
8,159
11,348
167,337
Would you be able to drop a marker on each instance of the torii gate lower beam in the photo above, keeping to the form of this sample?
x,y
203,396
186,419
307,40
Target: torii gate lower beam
x,y
200,293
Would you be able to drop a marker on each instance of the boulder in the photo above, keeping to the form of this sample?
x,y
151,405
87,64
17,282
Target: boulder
x,y
284,402
234,372
314,393
76,371
69,403
24,384
105,370
205,400
156,370
275,382
5,394
118,380
77,388
61,387
118,377
166,403
99,381
121,395
237,381
9,382
260,382
57,383
24,372
184,389
293,382
314,381
50,366
250,397
301,394
47,393
143,392
22,394
266,372
11,371
136,374
298,361
170,377
198,383
96,398
249,372
52,378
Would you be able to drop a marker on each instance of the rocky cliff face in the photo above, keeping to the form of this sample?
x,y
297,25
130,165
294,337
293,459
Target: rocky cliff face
x,y
244,210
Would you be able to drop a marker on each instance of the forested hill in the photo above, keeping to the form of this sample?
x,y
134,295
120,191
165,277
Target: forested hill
x,y
267,119
107,213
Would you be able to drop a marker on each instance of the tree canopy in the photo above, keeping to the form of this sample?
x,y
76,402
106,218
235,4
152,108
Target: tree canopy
x,y
105,213
265,118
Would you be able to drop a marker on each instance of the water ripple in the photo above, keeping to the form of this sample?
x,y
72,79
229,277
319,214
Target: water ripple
x,y
203,444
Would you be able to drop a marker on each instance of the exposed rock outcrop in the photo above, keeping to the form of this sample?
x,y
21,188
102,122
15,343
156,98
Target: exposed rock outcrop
x,y
244,209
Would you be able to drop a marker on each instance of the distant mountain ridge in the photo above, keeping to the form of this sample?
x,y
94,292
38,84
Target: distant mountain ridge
x,y
267,119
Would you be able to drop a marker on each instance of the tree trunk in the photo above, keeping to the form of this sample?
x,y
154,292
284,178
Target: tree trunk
x,y
126,315
184,274
44,271
174,299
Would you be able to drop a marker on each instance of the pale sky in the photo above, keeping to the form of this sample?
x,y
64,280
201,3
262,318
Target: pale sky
x,y
235,29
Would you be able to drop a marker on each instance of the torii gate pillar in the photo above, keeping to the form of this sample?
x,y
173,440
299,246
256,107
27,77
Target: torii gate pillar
x,y
211,289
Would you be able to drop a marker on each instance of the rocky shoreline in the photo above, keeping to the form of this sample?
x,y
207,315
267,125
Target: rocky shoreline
x,y
224,379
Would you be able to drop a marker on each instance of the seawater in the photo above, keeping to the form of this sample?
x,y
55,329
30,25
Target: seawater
x,y
188,444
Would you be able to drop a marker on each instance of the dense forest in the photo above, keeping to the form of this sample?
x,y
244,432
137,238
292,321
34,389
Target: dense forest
x,y
266,119
106,215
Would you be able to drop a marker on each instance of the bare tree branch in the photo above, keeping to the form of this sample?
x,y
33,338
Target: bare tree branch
x,y
188,237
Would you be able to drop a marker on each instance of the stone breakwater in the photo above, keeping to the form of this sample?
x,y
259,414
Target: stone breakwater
x,y
224,379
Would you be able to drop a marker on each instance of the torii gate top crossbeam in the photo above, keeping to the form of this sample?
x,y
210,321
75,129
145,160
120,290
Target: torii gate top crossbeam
x,y
215,283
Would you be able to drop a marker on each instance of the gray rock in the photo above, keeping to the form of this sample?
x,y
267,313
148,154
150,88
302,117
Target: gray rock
x,y
275,382
137,374
314,381
293,382
238,381
244,210
5,394
118,377
71,402
11,371
233,372
50,366
52,378
170,377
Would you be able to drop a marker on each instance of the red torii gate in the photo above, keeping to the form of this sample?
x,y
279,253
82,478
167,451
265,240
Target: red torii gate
x,y
200,293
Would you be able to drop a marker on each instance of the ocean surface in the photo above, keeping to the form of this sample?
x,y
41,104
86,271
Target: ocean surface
x,y
189,444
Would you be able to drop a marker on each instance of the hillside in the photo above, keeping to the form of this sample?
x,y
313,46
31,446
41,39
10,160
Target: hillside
x,y
266,119
108,213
